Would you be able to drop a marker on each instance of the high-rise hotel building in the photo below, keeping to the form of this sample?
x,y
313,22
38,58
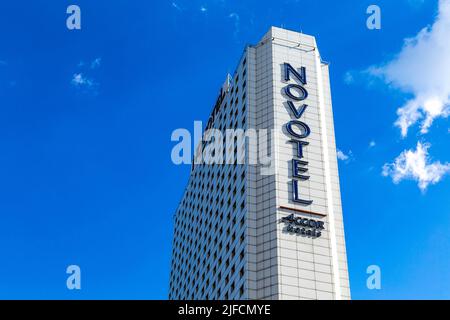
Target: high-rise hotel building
x,y
242,233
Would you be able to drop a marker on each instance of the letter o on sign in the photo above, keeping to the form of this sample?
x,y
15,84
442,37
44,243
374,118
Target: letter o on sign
x,y
305,130
312,224
301,93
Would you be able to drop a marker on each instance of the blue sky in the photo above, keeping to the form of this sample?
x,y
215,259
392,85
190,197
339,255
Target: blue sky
x,y
86,118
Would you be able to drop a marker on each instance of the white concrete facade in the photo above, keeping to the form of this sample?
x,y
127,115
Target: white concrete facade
x,y
230,241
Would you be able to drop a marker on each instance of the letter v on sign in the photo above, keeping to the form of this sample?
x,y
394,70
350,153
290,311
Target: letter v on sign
x,y
297,111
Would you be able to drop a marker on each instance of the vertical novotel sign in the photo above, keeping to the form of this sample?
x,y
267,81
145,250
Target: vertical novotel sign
x,y
297,129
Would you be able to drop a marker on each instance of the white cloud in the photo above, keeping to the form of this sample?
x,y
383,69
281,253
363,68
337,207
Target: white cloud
x,y
176,6
343,156
83,79
234,15
96,63
79,80
203,9
236,19
422,69
349,78
416,165
372,144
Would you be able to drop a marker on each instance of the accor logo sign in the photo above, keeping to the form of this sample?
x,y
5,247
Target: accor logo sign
x,y
303,226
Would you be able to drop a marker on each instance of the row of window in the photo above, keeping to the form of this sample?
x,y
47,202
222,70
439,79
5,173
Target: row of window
x,y
209,237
